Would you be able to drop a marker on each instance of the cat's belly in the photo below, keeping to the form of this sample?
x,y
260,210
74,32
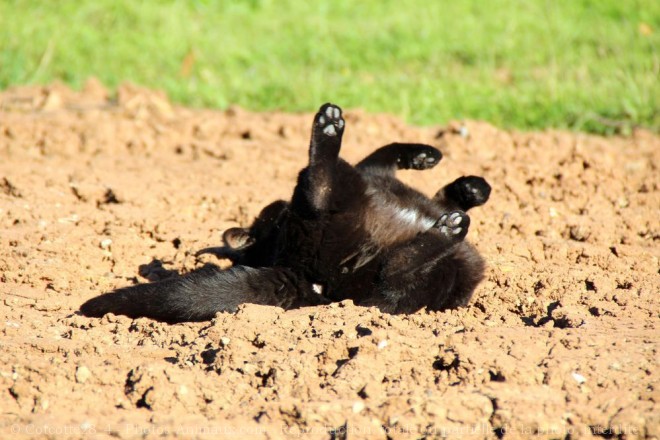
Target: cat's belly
x,y
391,219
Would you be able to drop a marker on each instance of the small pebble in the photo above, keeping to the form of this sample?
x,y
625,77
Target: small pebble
x,y
358,407
579,232
579,378
463,131
82,374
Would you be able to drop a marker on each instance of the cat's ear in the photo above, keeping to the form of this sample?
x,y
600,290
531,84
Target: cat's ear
x,y
223,252
237,238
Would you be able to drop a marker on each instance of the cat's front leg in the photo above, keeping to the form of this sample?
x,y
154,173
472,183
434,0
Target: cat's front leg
x,y
463,193
400,156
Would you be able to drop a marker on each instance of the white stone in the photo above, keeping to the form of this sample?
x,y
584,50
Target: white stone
x,y
82,374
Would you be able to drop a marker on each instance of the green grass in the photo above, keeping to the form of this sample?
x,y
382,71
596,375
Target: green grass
x,y
591,65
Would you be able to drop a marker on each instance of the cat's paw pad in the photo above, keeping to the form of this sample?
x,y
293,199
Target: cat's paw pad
x,y
329,121
472,190
454,225
423,157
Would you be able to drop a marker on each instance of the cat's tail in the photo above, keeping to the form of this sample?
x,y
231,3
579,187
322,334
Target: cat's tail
x,y
200,294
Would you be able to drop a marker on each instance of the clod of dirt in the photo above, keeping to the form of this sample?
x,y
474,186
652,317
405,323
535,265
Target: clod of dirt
x,y
8,188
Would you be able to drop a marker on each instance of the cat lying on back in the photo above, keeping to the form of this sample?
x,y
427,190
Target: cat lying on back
x,y
349,232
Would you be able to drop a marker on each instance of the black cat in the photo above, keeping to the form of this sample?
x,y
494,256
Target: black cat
x,y
348,233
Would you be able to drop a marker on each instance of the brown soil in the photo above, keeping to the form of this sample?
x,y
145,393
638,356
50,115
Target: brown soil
x,y
560,340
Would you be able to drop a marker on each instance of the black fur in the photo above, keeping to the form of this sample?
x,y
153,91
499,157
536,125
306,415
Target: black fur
x,y
348,233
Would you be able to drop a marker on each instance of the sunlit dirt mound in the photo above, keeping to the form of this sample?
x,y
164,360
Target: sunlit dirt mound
x,y
97,192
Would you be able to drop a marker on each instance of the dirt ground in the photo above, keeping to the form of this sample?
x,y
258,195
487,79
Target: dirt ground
x,y
560,341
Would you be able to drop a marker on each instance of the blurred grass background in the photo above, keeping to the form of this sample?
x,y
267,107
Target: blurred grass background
x,y
590,65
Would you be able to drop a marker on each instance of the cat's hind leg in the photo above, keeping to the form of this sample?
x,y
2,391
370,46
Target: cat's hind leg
x,y
436,269
326,177
327,132
443,283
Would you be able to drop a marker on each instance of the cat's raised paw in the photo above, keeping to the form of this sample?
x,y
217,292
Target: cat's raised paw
x,y
453,225
422,157
470,191
329,121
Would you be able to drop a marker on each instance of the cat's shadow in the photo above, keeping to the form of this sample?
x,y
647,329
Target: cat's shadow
x,y
155,271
